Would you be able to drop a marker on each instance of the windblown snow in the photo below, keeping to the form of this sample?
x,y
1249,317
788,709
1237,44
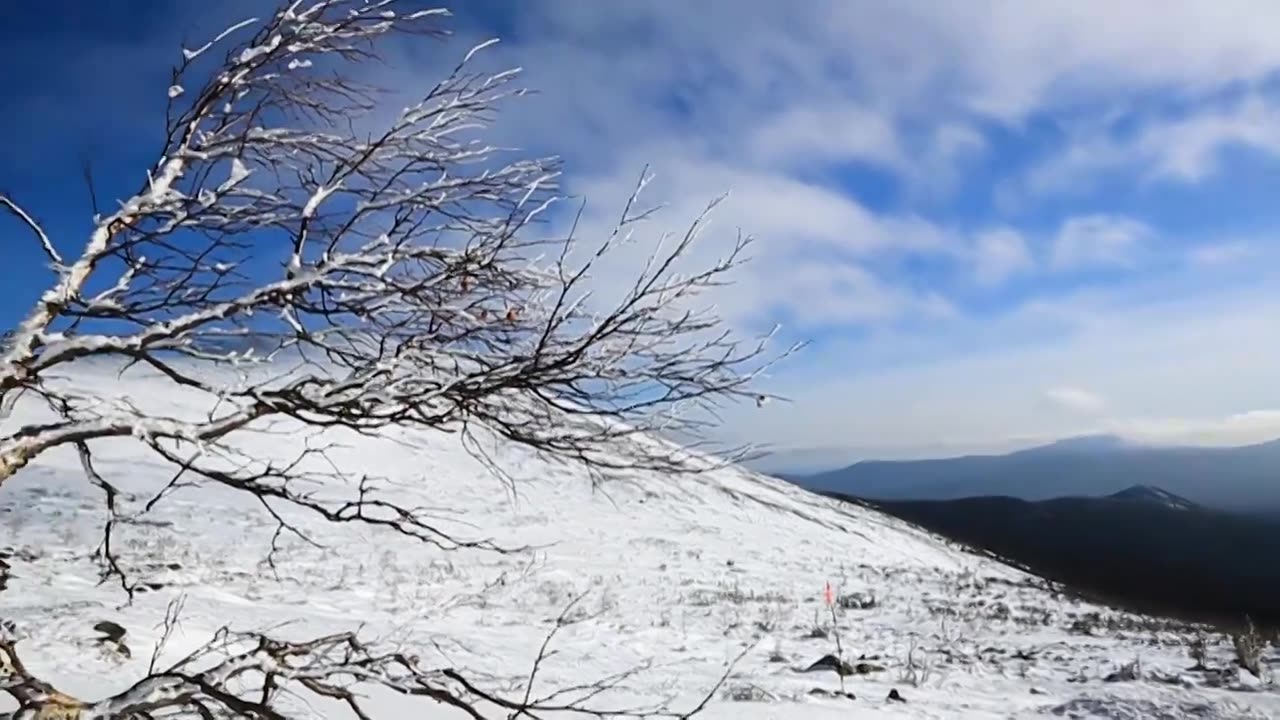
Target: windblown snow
x,y
681,575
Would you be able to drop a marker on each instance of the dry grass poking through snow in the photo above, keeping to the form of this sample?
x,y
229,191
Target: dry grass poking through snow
x,y
674,578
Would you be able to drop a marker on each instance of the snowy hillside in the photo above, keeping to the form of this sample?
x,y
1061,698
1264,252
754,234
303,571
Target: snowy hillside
x,y
681,575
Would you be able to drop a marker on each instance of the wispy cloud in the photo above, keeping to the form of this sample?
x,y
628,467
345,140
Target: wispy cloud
x,y
1179,147
808,136
860,142
999,254
985,383
962,205
1095,240
1229,252
1076,400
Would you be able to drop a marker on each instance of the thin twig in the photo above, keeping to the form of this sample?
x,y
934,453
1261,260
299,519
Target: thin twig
x,y
45,243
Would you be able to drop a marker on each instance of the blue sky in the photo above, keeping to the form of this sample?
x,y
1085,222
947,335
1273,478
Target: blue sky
x,y
996,222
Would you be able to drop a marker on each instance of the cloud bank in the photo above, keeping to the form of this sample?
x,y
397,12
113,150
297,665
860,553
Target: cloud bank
x,y
995,221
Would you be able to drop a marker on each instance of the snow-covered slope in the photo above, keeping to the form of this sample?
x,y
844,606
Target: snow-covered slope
x,y
682,574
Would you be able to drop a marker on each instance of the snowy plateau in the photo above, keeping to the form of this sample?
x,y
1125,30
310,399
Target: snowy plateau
x,y
680,575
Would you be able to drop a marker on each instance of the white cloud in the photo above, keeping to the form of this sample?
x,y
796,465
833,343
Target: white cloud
x,y
752,97
1222,253
763,99
1244,428
980,382
820,294
1008,57
805,135
807,265
1184,148
999,254
1187,149
759,98
1095,240
1076,400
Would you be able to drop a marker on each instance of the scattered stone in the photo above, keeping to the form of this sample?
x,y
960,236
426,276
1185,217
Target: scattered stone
x,y
113,638
857,601
895,696
748,693
1127,673
866,668
816,633
111,631
1174,679
823,692
831,662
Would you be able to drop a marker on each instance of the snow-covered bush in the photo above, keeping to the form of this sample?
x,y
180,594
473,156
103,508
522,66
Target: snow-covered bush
x,y
1249,645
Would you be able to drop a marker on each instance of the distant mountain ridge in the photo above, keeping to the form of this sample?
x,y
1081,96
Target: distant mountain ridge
x,y
1083,444
1143,548
1154,495
1245,479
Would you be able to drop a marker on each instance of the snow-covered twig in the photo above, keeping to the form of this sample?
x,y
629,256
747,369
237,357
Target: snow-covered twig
x,y
412,292
45,243
250,675
292,256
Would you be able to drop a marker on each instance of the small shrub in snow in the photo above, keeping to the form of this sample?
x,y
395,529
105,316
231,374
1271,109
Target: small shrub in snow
x,y
770,619
777,656
1128,672
746,692
1197,649
1249,646
916,670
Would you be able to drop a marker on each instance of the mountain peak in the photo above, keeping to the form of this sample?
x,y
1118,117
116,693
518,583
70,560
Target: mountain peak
x,y
1150,494
1084,444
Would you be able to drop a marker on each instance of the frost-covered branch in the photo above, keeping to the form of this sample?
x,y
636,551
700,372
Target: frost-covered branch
x,y
251,675
395,272
283,265
45,243
298,263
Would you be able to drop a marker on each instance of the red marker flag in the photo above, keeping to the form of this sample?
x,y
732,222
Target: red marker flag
x,y
828,595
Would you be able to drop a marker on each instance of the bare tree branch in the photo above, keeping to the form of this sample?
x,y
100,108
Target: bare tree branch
x,y
45,243
295,259
411,292
249,675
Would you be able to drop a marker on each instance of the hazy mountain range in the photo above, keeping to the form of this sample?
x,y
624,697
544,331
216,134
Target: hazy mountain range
x,y
1232,478
1143,548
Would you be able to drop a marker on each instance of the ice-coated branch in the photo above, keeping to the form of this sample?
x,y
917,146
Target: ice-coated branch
x,y
293,254
299,260
252,675
45,243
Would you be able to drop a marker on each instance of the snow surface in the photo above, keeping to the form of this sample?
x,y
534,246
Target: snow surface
x,y
683,573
